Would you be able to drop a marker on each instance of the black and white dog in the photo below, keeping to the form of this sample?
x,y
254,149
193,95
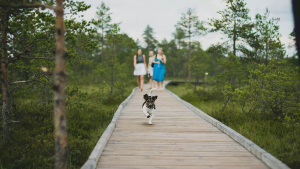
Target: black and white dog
x,y
149,105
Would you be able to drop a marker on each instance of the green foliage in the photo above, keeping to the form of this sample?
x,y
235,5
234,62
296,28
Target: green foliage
x,y
200,65
179,35
190,25
149,39
103,17
89,111
90,105
256,94
263,39
234,21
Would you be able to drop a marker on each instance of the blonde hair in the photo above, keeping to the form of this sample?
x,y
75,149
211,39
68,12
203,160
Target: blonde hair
x,y
162,53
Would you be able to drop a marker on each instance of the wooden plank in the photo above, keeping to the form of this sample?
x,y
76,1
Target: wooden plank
x,y
178,139
176,153
181,167
166,147
169,140
174,143
178,161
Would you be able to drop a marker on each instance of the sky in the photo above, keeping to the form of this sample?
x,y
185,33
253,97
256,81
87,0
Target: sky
x,y
162,16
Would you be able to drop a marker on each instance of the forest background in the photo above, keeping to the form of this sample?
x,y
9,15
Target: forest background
x,y
259,85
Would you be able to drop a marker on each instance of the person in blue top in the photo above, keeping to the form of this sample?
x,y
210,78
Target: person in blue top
x,y
159,68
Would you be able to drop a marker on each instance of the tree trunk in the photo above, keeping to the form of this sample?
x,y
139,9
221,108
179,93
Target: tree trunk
x,y
112,80
148,45
189,56
267,52
4,79
234,38
102,51
112,74
256,48
60,76
296,13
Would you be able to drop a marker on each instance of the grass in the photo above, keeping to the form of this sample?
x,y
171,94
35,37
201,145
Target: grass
x,y
176,78
264,130
89,111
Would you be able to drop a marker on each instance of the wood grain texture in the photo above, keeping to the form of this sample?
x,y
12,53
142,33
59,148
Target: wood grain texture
x,y
177,139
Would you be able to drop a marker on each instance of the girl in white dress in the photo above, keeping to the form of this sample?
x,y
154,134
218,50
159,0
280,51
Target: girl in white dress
x,y
150,69
139,68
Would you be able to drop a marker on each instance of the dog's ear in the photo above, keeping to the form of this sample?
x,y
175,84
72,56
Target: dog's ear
x,y
145,96
154,97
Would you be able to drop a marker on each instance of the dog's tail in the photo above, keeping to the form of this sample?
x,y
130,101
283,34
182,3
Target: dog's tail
x,y
150,93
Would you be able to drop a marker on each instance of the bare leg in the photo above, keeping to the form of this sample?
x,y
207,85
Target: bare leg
x,y
150,81
142,82
138,81
158,85
161,85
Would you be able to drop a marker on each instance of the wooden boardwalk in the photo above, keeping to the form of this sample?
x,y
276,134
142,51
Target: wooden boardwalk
x,y
177,139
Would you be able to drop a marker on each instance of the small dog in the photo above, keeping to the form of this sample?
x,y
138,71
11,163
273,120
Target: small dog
x,y
149,106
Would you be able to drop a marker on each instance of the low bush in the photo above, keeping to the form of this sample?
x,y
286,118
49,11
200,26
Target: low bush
x,y
88,112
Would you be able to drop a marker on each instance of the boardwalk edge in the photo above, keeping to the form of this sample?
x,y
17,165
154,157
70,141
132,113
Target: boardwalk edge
x,y
91,163
260,153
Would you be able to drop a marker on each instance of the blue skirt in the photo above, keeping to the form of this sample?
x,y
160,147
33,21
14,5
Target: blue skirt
x,y
159,71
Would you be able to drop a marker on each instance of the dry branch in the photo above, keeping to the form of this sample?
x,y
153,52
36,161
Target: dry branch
x,y
27,81
24,57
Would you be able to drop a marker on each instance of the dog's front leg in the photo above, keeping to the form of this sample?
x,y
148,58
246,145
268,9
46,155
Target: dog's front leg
x,y
145,111
151,117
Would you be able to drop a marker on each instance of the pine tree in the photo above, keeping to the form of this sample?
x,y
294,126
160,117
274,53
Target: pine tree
x,y
103,23
179,35
262,39
191,26
113,38
29,35
234,21
267,31
149,39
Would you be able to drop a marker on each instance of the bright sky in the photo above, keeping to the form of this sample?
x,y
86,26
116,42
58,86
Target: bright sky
x,y
162,15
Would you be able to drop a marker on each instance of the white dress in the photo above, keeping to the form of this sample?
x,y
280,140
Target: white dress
x,y
140,69
150,68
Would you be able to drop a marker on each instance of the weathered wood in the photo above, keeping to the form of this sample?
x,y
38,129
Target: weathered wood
x,y
178,139
179,161
181,167
60,79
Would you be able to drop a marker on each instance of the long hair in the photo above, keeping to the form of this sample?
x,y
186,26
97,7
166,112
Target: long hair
x,y
162,53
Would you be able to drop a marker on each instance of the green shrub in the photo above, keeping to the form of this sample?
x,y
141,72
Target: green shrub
x,y
33,137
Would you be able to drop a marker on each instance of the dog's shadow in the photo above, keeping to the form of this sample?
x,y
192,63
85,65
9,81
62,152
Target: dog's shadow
x,y
146,124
